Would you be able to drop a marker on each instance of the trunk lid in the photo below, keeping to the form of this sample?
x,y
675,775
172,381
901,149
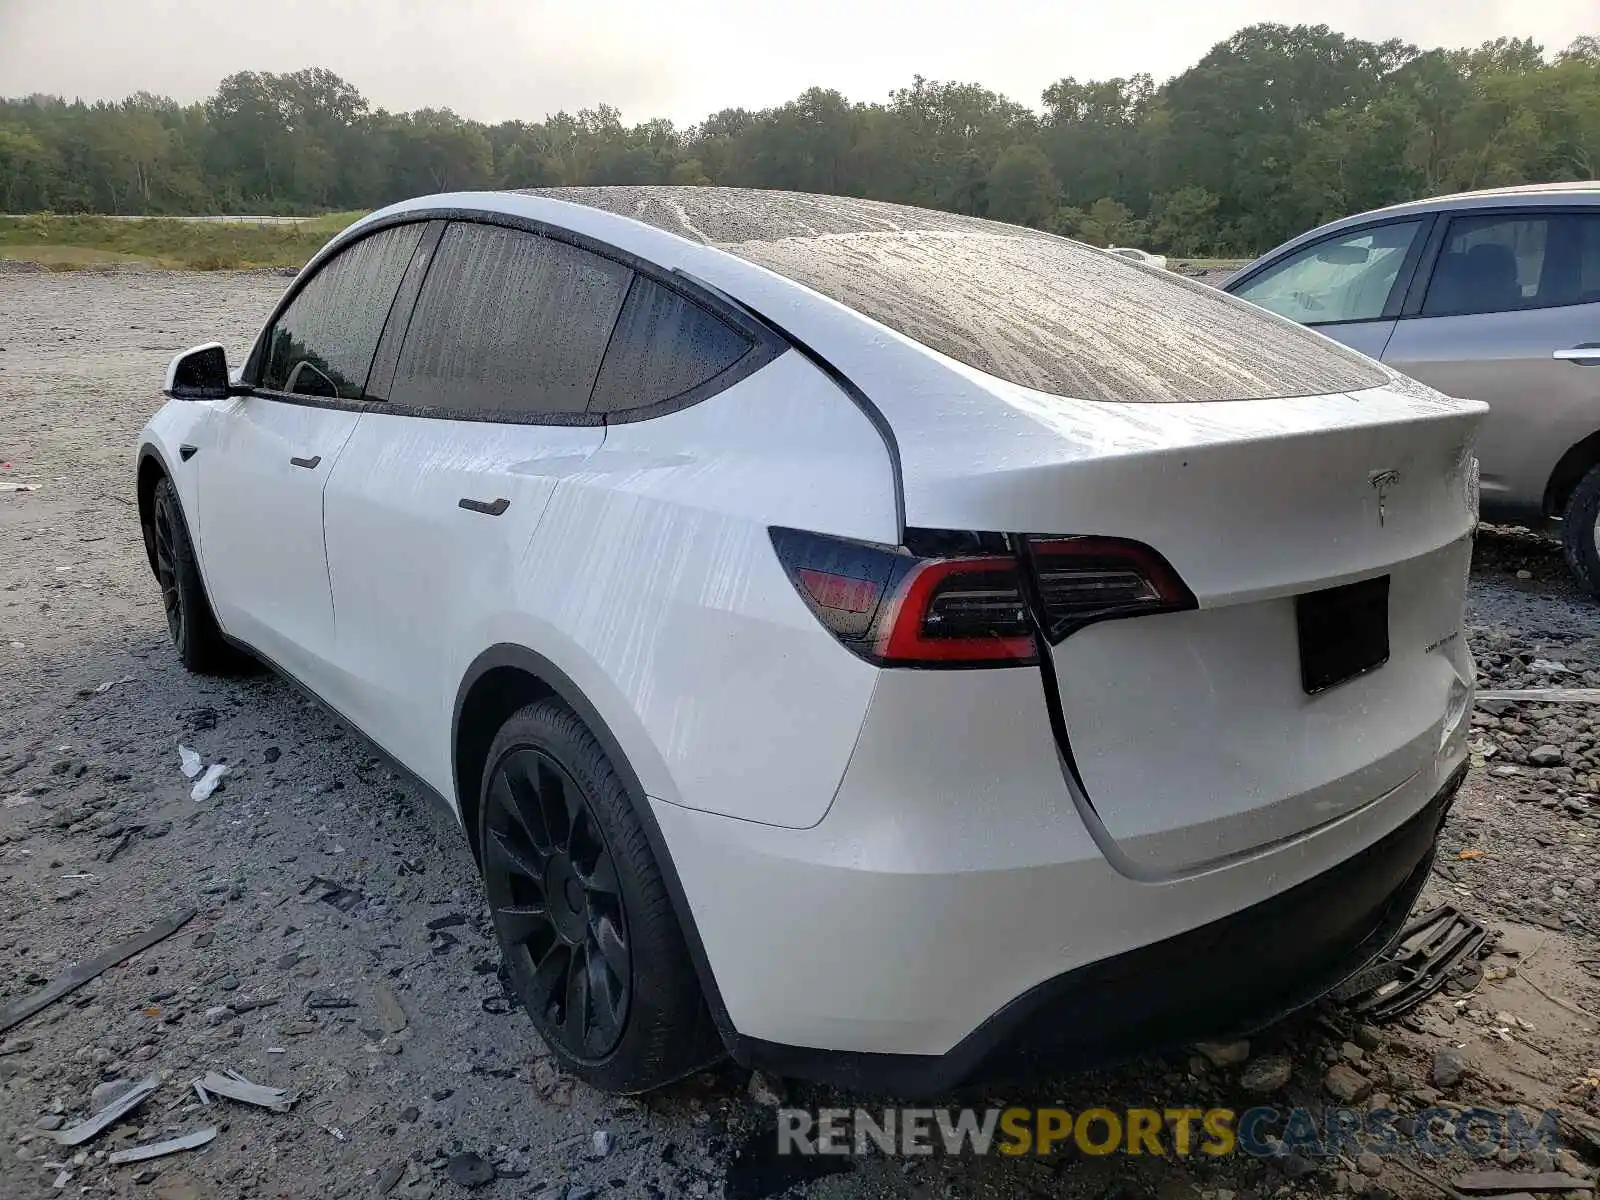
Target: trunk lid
x,y
1193,734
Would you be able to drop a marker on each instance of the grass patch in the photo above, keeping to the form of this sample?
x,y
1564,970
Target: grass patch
x,y
69,258
66,242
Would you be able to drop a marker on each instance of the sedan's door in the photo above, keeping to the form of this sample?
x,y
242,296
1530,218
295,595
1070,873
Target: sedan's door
x,y
1348,285
262,459
435,500
1512,302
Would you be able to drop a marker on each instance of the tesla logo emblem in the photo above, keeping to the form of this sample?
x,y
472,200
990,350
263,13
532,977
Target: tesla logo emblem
x,y
1381,482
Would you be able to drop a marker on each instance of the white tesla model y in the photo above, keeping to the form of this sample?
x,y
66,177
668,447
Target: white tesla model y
x,y
885,646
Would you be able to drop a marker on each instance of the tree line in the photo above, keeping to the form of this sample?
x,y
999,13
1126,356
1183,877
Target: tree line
x,y
1275,130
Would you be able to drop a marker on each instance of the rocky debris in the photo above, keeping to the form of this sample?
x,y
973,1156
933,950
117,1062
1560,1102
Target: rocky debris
x,y
1449,1066
1346,1085
1225,1054
600,1143
765,1090
1268,1074
469,1170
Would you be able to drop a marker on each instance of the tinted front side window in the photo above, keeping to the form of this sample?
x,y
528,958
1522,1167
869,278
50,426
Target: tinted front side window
x,y
1504,262
1342,279
509,322
322,344
664,345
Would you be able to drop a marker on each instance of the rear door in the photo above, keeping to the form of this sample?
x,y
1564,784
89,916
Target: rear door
x,y
1511,300
430,513
262,459
1348,285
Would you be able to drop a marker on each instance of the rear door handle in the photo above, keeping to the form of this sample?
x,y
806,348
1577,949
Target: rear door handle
x,y
488,508
1583,354
309,464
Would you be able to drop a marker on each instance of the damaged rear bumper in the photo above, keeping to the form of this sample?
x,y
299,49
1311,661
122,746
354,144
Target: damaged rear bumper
x,y
1225,978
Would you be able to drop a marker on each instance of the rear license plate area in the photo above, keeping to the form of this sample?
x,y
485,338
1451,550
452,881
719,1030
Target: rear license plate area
x,y
1344,632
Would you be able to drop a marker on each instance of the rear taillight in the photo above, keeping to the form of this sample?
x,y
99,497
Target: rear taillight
x,y
969,600
1086,579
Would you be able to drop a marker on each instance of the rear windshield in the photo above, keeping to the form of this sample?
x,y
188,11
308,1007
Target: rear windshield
x,y
1033,309
1066,319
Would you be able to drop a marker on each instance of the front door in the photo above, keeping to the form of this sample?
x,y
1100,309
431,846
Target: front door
x,y
1347,286
262,459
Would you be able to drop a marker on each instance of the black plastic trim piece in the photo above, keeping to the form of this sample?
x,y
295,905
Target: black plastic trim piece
x,y
186,451
310,464
1230,977
386,357
506,654
491,508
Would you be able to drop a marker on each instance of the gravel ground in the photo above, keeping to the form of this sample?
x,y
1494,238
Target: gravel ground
x,y
341,949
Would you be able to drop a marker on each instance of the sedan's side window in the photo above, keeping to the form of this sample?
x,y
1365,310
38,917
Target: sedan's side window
x,y
664,345
1508,261
322,344
1345,278
508,322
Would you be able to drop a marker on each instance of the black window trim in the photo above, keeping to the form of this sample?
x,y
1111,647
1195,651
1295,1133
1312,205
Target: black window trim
x,y
766,343
1418,291
1399,291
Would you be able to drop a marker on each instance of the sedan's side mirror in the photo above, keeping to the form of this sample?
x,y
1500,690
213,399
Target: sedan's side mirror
x,y
199,374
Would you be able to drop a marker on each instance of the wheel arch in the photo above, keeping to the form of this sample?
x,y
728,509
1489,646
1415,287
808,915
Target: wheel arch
x,y
1569,471
506,677
151,470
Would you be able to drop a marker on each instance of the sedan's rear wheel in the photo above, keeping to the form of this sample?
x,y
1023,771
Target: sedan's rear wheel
x,y
590,941
1580,532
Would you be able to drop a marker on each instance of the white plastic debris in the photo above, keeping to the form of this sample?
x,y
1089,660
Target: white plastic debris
x,y
189,762
188,1141
1547,667
208,782
125,1103
236,1087
19,487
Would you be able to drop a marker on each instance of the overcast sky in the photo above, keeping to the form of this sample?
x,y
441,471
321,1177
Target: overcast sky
x,y
496,59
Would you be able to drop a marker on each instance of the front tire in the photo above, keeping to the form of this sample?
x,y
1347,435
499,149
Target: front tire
x,y
589,938
190,621
1580,532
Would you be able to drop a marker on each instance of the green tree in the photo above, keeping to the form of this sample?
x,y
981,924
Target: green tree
x,y
1022,188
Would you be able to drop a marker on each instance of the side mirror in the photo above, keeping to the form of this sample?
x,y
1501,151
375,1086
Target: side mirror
x,y
199,374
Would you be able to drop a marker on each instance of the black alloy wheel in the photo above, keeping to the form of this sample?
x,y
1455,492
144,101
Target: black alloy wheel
x,y
557,904
165,520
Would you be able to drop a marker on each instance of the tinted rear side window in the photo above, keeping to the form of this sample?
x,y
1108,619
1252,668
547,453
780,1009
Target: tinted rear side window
x,y
1504,262
664,345
509,322
322,344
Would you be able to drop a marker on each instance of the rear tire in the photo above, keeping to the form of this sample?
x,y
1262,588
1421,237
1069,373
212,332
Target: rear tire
x,y
586,928
1580,532
190,621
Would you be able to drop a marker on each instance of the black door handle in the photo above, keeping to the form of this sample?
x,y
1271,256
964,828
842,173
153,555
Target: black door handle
x,y
486,508
309,464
